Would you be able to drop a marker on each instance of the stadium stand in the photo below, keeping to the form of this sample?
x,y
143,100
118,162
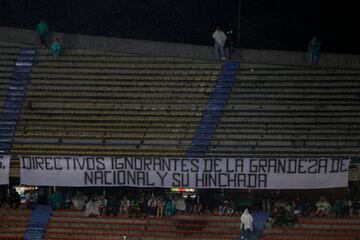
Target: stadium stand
x,y
279,111
103,104
91,102
98,103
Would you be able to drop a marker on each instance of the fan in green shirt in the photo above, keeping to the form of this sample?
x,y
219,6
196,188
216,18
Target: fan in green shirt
x,y
56,48
170,209
42,29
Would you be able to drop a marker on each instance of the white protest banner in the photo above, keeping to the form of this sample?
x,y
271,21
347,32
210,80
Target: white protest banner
x,y
255,173
4,169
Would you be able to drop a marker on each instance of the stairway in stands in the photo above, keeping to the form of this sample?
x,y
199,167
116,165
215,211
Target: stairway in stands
x,y
212,114
38,223
14,97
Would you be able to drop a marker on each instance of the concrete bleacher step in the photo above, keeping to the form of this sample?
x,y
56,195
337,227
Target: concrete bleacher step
x,y
74,225
13,222
308,237
316,228
138,235
78,213
312,236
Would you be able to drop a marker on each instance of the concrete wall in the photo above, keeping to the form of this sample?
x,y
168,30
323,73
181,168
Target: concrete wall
x,y
154,48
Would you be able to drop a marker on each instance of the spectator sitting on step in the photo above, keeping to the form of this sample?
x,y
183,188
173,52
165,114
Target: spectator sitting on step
x,y
152,205
102,207
32,200
134,208
354,208
337,208
226,208
112,206
180,204
68,199
305,207
160,207
346,208
14,199
290,218
323,207
221,207
291,207
278,214
79,200
57,200
56,48
189,204
143,206
92,208
197,207
170,209
124,206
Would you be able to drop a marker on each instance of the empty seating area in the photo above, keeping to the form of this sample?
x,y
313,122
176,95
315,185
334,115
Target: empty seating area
x,y
13,223
96,103
8,53
277,111
316,228
90,102
69,224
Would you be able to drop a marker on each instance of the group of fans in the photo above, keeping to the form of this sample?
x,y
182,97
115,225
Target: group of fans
x,y
141,205
56,49
283,211
162,204
224,46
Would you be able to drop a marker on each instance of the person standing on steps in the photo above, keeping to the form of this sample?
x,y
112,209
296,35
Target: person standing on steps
x,y
56,48
219,39
42,29
314,50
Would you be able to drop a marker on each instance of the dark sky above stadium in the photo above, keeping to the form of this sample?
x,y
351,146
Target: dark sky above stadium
x,y
265,24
